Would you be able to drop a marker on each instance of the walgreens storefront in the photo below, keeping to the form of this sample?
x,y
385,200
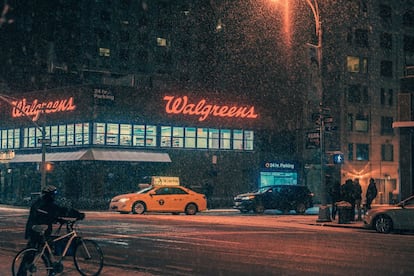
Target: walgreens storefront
x,y
102,141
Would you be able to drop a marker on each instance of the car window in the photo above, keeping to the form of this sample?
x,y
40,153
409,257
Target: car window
x,y
177,191
162,191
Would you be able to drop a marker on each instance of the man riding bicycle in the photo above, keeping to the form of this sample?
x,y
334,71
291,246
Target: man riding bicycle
x,y
45,211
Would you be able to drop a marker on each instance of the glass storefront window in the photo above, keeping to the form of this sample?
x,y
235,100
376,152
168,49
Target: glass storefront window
x,y
128,135
165,136
125,135
70,130
178,137
190,137
213,138
225,138
54,135
112,132
151,136
238,139
202,134
98,133
248,140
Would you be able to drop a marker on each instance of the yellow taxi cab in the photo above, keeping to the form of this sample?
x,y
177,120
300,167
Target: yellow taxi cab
x,y
160,198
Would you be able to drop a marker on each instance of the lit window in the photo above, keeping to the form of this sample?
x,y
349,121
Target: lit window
x,y
202,134
248,140
162,42
165,136
362,152
178,137
125,134
190,137
213,138
238,139
104,52
225,138
353,64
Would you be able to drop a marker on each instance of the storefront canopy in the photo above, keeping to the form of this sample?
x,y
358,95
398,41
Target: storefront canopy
x,y
94,154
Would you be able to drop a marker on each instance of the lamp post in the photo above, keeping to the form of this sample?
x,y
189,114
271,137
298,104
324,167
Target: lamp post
x,y
43,140
324,214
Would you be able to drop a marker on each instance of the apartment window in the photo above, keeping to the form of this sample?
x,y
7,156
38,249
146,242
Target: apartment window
x,y
387,152
362,152
386,125
361,123
408,19
104,52
361,38
357,64
385,13
408,43
162,42
386,41
350,152
358,94
386,68
387,97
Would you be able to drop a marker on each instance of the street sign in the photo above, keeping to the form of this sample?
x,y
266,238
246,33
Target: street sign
x,y
44,141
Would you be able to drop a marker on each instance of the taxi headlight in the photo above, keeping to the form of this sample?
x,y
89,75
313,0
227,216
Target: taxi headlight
x,y
124,199
250,197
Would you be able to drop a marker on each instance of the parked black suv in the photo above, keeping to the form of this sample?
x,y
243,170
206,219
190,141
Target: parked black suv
x,y
281,197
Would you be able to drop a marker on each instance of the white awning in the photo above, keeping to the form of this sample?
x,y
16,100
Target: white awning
x,y
403,124
94,154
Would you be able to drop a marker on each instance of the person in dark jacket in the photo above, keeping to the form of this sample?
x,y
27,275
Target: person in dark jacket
x,y
335,194
371,193
44,211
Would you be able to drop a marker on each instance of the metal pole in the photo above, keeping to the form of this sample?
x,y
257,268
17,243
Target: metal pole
x,y
324,214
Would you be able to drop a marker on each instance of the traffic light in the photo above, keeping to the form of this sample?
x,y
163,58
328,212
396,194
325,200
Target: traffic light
x,y
338,158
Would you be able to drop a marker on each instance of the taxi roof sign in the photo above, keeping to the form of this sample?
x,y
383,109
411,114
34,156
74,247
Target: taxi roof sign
x,y
165,180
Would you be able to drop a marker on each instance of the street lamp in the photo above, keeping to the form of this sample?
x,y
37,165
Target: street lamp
x,y
43,140
323,210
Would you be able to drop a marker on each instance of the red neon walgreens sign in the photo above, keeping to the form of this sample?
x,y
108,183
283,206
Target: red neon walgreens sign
x,y
182,105
33,109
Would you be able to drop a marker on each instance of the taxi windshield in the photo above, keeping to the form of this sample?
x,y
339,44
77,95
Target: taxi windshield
x,y
145,190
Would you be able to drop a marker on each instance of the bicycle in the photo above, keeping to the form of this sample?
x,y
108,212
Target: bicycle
x,y
48,258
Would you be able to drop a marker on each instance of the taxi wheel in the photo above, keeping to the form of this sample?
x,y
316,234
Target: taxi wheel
x,y
138,208
191,209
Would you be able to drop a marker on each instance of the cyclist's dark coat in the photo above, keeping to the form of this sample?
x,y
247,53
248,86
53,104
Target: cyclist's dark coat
x,y
46,211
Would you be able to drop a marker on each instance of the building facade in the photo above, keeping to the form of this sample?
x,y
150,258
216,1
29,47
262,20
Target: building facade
x,y
229,53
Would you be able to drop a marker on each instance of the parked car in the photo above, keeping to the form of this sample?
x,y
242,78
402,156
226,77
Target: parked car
x,y
388,218
281,197
174,199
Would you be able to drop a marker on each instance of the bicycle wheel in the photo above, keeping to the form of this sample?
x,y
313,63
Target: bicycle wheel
x,y
88,257
29,262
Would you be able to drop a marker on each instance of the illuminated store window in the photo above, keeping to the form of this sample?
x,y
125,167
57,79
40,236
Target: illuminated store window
x,y
202,135
225,139
213,138
151,136
178,137
78,134
62,135
112,132
125,135
248,140
238,139
98,133
139,136
54,135
86,133
70,139
10,138
165,136
190,137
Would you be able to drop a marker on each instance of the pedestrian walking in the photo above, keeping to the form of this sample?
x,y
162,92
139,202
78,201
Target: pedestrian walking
x,y
335,194
371,193
357,198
